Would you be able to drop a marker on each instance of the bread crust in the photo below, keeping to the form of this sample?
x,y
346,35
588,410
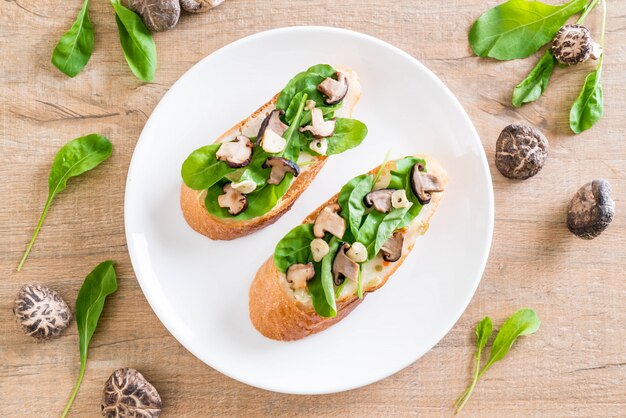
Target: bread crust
x,y
279,316
192,201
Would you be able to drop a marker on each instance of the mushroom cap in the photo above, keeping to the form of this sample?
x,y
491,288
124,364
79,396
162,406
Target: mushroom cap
x,y
41,311
521,151
199,6
329,220
272,121
236,153
423,184
298,274
572,44
232,199
157,15
392,248
379,199
280,167
128,394
344,266
591,210
334,90
319,127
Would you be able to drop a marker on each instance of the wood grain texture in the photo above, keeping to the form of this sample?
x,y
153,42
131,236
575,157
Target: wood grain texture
x,y
574,366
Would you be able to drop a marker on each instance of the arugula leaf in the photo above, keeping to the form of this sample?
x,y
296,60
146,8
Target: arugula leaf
x,y
137,43
523,322
589,105
369,230
292,136
359,283
306,81
72,52
349,133
294,248
202,169
536,82
99,284
321,288
387,226
73,159
518,28
254,171
356,206
344,195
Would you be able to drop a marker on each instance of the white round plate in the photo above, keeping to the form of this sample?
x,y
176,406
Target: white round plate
x,y
199,288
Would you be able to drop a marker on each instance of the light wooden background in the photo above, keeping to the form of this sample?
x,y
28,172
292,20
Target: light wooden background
x,y
574,366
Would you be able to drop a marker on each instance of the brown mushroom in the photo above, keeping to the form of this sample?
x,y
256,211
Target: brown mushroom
x,y
233,199
199,6
272,122
41,311
128,394
423,184
392,248
299,274
379,199
319,127
334,90
343,266
591,210
280,167
521,151
236,153
157,15
329,220
573,45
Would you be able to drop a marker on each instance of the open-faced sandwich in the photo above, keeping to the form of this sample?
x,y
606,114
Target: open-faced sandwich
x,y
255,171
349,246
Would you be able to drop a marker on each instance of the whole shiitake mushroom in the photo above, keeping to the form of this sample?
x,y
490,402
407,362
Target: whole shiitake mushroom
x,y
157,15
573,45
128,394
41,311
521,151
591,210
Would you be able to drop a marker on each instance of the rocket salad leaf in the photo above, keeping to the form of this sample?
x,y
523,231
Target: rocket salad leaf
x,y
536,82
72,52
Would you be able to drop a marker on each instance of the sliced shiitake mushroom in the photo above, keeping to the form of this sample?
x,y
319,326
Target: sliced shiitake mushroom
x,y
272,122
379,199
343,266
232,199
334,90
329,220
236,153
299,274
423,184
319,127
280,167
392,248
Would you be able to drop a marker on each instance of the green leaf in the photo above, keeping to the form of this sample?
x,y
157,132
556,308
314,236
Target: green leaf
x,y
321,288
483,332
306,81
137,43
344,195
75,47
294,248
73,159
359,283
255,171
349,133
589,105
202,169
100,283
356,206
518,28
387,226
369,230
536,82
292,136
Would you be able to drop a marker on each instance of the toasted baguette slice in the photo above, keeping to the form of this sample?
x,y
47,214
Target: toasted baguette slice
x,y
280,313
192,201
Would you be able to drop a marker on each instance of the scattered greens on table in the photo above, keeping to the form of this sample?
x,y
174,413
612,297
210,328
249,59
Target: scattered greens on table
x,y
99,284
369,227
75,47
204,172
523,322
73,159
519,28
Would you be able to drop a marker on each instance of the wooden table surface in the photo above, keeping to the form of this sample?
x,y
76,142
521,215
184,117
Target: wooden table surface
x,y
574,366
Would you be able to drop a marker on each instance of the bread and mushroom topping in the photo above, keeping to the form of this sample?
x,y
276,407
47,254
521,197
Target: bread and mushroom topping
x,y
573,45
236,153
380,200
41,311
591,210
344,266
334,90
298,274
329,220
270,135
157,15
280,167
521,151
392,248
128,394
319,127
199,6
423,184
232,199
